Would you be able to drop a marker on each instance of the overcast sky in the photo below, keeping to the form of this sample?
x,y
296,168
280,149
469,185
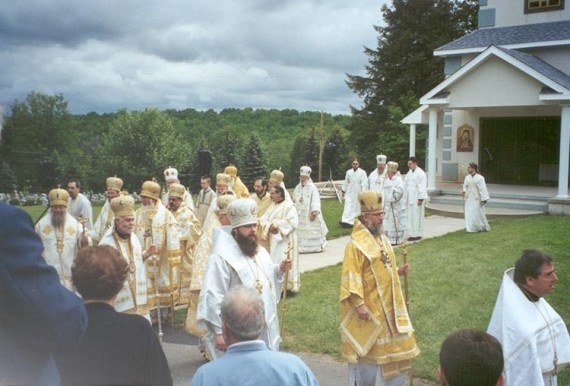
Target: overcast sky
x,y
103,55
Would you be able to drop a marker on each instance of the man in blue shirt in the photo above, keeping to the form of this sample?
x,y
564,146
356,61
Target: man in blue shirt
x,y
247,360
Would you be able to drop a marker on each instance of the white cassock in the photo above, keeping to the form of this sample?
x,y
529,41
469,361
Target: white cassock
x,y
530,333
103,223
80,207
283,244
354,183
187,198
395,221
475,191
132,298
415,185
311,236
228,267
60,245
376,180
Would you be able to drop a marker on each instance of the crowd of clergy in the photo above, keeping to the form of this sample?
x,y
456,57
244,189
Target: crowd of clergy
x,y
186,254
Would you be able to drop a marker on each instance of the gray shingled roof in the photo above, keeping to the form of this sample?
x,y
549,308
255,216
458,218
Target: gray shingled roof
x,y
540,66
520,34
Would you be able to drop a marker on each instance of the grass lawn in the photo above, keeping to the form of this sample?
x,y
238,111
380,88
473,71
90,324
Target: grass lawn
x,y
453,284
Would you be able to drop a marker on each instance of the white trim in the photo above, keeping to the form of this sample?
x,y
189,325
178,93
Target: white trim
x,y
475,50
497,52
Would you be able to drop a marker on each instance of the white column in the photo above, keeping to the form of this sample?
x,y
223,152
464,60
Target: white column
x,y
413,140
432,136
564,152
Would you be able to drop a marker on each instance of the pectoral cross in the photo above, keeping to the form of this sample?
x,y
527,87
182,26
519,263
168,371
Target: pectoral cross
x,y
258,286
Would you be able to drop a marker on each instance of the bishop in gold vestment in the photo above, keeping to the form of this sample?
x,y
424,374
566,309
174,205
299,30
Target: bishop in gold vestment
x,y
376,333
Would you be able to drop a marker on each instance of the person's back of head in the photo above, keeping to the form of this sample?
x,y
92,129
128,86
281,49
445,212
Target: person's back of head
x,y
243,314
471,358
98,273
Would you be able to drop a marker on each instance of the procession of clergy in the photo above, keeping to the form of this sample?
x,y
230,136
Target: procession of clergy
x,y
169,240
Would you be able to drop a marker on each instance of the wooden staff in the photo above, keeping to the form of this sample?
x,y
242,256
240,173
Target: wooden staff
x,y
148,238
407,295
284,293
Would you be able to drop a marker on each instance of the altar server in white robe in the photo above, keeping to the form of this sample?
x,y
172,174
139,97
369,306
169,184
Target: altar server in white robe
x,y
476,196
312,233
378,175
355,181
394,205
535,339
237,259
416,196
132,298
279,226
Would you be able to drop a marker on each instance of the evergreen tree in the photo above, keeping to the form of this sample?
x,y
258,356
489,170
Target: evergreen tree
x,y
254,166
227,153
311,154
402,68
334,157
297,160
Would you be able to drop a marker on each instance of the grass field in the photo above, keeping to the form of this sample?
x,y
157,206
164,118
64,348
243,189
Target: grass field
x,y
453,284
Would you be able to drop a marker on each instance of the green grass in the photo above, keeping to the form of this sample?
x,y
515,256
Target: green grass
x,y
453,284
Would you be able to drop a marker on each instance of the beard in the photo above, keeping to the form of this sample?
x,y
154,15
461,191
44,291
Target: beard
x,y
57,220
247,245
376,230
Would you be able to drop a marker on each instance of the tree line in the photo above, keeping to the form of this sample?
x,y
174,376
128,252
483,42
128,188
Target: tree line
x,y
45,145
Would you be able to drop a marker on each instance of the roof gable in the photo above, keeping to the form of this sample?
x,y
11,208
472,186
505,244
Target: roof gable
x,y
520,36
556,82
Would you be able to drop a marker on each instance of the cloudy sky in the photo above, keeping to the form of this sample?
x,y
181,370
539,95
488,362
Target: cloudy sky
x,y
103,55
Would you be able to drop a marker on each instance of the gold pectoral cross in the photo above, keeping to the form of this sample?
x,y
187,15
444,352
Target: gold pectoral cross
x,y
258,286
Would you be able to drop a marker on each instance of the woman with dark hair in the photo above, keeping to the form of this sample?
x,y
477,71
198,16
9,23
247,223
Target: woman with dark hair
x,y
117,348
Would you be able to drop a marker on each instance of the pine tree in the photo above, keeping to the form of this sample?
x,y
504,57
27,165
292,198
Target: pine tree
x,y
254,162
402,68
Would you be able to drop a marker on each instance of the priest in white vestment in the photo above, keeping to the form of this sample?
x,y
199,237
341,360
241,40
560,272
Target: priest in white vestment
x,y
132,298
312,233
279,227
476,196
204,200
237,259
378,175
535,339
62,236
78,205
171,177
415,185
189,230
355,181
394,205
156,226
106,217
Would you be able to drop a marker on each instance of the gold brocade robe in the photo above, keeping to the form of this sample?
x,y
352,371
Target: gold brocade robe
x,y
239,189
371,277
190,231
161,230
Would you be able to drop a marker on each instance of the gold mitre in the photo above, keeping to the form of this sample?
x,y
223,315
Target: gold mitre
x,y
176,190
170,174
114,183
57,197
392,166
222,203
276,176
123,206
231,170
223,179
150,189
370,201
